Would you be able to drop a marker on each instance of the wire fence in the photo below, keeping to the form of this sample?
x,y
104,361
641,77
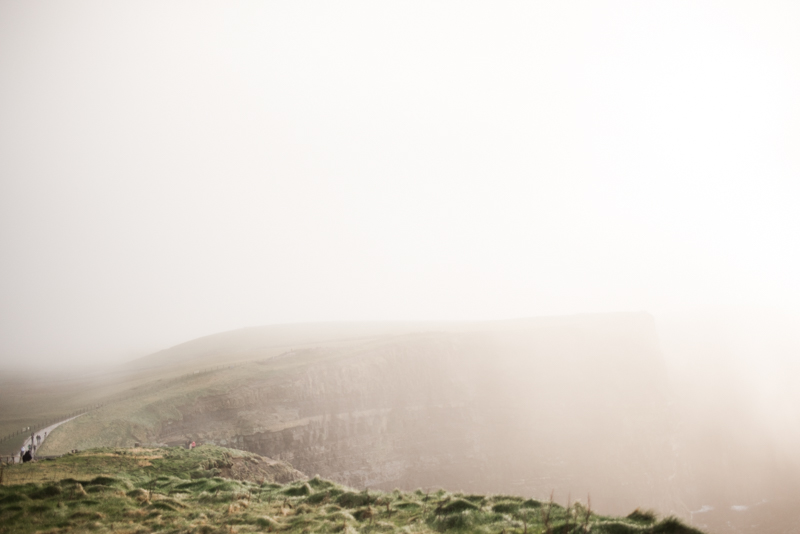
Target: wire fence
x,y
19,436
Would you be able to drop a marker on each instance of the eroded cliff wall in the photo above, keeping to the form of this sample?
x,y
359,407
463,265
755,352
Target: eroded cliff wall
x,y
570,406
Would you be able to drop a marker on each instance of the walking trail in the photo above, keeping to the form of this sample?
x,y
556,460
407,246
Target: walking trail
x,y
45,432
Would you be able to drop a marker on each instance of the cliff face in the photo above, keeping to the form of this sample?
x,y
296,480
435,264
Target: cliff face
x,y
576,405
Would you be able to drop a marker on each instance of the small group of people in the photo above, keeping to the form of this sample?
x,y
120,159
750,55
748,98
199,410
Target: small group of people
x,y
26,454
190,445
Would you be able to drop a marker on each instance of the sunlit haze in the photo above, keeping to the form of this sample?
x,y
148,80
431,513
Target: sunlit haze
x,y
170,170
555,243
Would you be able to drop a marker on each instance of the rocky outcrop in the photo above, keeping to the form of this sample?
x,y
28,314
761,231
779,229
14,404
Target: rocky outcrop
x,y
260,469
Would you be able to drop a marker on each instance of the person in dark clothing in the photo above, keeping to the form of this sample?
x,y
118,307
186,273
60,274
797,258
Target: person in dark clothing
x,y
27,457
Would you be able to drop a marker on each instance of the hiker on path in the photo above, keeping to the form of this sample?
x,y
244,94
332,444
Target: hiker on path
x,y
27,457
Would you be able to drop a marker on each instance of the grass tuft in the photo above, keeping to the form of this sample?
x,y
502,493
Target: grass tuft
x,y
320,484
13,498
266,522
351,499
102,481
531,503
505,507
298,491
45,492
643,516
318,498
673,525
456,506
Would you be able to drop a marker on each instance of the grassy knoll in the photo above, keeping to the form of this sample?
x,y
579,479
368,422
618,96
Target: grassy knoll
x,y
124,421
129,402
212,489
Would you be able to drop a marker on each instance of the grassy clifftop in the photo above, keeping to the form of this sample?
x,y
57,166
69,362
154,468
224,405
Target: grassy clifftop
x,y
213,489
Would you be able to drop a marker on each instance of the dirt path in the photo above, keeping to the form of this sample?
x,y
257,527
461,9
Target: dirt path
x,y
44,432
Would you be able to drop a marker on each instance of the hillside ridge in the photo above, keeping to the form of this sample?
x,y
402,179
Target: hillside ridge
x,y
249,342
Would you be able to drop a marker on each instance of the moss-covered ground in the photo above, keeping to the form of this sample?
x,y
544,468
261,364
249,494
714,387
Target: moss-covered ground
x,y
174,490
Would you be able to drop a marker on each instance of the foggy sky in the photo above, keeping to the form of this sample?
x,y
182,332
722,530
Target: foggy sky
x,y
173,169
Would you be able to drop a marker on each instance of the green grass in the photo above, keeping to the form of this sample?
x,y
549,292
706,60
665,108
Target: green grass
x,y
146,404
134,399
175,490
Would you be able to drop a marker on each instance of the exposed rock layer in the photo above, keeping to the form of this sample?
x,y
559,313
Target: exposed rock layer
x,y
577,405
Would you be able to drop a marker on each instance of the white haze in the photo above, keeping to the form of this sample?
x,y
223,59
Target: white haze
x,y
174,169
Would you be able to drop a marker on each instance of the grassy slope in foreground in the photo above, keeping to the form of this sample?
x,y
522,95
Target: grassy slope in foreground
x,y
176,490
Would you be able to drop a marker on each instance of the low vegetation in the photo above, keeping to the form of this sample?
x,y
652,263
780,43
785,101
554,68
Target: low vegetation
x,y
217,490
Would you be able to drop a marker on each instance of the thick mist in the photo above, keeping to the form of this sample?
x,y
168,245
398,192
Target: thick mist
x,y
174,170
